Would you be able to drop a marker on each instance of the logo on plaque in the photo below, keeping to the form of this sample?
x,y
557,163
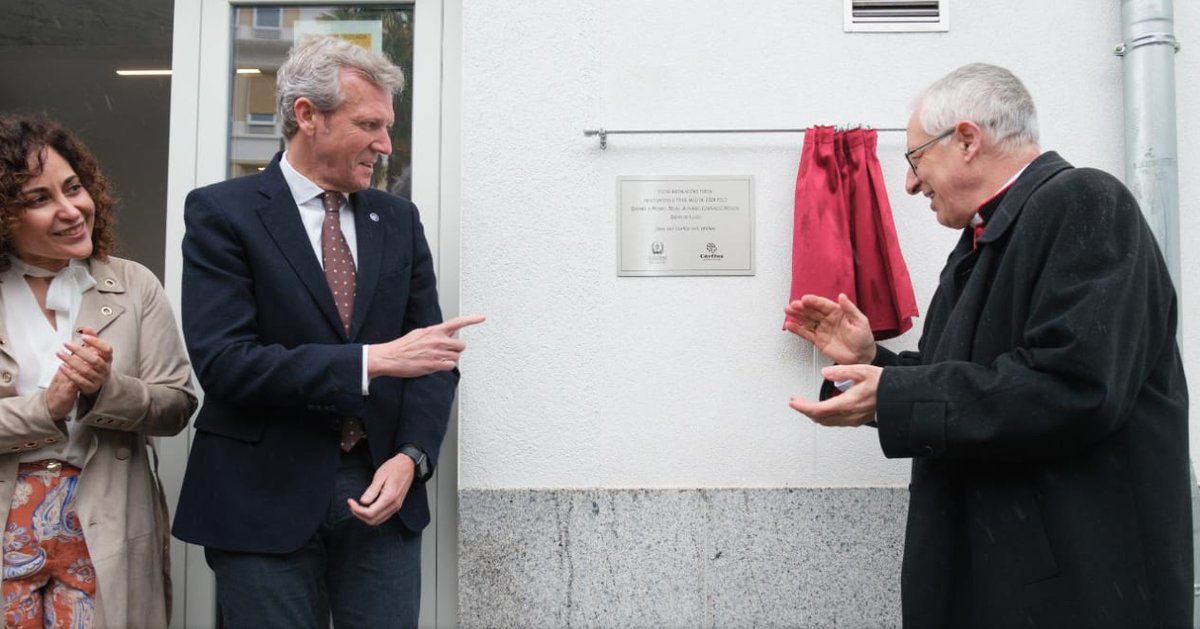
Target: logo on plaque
x,y
656,247
712,254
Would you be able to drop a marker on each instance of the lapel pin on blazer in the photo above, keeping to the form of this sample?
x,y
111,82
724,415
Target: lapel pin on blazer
x,y
374,217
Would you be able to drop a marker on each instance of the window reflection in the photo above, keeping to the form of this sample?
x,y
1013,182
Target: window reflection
x,y
262,37
268,17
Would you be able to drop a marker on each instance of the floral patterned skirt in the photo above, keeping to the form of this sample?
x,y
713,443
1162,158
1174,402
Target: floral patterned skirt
x,y
48,577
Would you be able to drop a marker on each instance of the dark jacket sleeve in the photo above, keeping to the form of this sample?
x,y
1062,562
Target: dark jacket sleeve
x,y
1077,314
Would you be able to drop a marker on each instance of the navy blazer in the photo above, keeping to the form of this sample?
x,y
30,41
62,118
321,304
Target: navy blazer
x,y
279,372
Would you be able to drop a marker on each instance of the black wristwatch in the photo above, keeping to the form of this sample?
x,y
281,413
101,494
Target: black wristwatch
x,y
419,459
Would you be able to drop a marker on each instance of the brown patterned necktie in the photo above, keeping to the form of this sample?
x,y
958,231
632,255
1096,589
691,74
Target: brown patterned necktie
x,y
335,256
341,276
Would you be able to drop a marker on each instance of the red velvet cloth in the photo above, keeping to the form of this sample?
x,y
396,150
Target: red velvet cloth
x,y
843,237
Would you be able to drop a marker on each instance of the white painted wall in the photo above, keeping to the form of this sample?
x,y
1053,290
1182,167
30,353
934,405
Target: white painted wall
x,y
584,379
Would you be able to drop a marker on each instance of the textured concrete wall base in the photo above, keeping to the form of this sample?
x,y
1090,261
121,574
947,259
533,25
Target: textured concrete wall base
x,y
681,558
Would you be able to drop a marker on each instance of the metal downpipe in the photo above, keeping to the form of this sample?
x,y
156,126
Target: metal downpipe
x,y
1147,56
1151,161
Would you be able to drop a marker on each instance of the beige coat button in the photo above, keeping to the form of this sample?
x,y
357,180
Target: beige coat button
x,y
123,453
6,377
109,282
106,311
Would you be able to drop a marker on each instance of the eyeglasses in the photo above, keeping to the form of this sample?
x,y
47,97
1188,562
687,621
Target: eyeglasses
x,y
908,156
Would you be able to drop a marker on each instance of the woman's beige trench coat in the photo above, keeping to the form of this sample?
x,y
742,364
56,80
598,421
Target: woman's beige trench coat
x,y
149,392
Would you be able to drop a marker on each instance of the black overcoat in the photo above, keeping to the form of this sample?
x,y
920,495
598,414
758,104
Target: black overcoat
x,y
1046,415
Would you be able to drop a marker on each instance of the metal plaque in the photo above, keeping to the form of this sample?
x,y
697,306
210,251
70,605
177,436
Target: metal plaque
x,y
684,225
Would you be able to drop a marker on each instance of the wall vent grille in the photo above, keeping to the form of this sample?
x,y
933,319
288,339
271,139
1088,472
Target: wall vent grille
x,y
896,16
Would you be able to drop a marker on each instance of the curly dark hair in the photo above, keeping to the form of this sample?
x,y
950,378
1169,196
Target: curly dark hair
x,y
22,136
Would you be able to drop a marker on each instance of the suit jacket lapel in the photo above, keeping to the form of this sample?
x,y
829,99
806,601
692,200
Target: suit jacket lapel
x,y
369,232
279,214
100,305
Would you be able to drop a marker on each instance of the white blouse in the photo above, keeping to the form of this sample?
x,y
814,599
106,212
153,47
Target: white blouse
x,y
34,342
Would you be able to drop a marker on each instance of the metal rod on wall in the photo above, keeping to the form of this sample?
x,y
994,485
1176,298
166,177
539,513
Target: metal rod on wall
x,y
604,133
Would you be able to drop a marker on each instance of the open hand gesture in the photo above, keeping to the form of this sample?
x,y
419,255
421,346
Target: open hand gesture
x,y
838,329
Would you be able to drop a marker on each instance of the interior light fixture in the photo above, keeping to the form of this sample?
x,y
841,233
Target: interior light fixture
x,y
143,73
168,72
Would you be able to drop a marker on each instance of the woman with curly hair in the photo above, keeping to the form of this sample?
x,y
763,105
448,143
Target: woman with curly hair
x,y
91,366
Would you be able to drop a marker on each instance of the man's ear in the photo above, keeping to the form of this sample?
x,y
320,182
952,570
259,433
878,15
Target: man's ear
x,y
306,115
968,138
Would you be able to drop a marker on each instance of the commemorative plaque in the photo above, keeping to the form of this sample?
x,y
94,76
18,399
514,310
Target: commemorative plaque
x,y
682,225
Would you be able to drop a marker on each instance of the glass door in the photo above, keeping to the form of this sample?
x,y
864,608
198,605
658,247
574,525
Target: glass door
x,y
223,125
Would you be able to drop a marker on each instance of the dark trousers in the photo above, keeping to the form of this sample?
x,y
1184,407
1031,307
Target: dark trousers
x,y
371,575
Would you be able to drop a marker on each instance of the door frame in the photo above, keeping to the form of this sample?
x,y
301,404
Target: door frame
x,y
198,155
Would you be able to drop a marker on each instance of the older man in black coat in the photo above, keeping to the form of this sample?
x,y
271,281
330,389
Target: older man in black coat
x,y
1045,409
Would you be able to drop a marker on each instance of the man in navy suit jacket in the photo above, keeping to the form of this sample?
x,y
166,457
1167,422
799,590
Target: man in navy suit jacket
x,y
288,503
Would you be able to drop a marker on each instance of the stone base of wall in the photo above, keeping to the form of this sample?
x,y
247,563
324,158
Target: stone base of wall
x,y
681,558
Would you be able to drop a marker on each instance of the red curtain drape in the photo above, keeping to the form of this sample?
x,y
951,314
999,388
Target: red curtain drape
x,y
843,237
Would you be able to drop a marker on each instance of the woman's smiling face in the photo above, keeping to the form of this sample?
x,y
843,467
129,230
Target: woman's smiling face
x,y
55,225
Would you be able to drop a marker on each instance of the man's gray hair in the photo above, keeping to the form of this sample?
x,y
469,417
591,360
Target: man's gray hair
x,y
988,95
312,71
